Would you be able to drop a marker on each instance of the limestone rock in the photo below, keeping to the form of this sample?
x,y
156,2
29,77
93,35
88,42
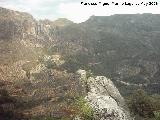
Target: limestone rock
x,y
106,100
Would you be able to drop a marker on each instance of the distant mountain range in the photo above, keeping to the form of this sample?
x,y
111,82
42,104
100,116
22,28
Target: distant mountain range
x,y
125,48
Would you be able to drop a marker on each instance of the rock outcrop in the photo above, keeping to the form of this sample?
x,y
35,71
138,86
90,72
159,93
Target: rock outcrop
x,y
105,99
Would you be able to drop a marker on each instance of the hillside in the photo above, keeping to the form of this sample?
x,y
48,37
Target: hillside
x,y
39,62
124,47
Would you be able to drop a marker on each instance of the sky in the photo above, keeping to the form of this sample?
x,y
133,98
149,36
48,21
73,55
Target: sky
x,y
74,10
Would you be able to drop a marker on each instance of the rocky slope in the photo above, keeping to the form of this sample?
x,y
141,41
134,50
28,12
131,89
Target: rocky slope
x,y
28,72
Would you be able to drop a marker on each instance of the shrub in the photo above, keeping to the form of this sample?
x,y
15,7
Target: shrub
x,y
89,74
50,64
140,103
157,115
84,110
49,118
4,92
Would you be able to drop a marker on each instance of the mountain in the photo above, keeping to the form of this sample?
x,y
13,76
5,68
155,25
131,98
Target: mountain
x,y
124,47
39,60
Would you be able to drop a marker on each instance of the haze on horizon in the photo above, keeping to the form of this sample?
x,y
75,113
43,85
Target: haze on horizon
x,y
72,9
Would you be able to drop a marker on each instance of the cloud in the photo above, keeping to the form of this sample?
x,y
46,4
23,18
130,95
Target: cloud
x,y
78,13
74,12
72,9
40,9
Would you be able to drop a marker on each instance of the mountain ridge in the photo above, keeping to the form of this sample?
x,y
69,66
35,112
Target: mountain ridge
x,y
40,58
111,41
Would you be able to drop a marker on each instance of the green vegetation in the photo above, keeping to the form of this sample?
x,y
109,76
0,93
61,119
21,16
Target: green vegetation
x,y
49,64
157,115
27,67
71,64
84,110
144,105
108,46
78,108
50,118
75,62
8,113
89,74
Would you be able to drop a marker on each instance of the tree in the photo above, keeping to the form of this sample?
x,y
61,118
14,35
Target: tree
x,y
140,103
27,67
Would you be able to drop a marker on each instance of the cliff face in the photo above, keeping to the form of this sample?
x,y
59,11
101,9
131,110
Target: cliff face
x,y
14,24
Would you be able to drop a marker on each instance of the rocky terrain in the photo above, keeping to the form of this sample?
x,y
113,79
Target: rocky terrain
x,y
39,60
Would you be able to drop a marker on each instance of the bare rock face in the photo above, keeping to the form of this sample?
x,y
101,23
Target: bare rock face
x,y
14,24
105,99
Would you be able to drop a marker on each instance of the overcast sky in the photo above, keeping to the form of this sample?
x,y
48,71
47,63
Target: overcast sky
x,y
72,9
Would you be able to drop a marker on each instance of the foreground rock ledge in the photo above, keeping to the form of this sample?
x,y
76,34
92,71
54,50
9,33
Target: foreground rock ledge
x,y
104,98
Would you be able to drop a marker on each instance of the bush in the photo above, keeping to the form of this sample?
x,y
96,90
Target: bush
x,y
157,115
71,64
140,103
50,64
84,110
9,113
89,74
49,118
4,92
144,106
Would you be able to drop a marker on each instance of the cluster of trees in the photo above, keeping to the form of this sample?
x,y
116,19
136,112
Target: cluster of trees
x,y
9,106
143,105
